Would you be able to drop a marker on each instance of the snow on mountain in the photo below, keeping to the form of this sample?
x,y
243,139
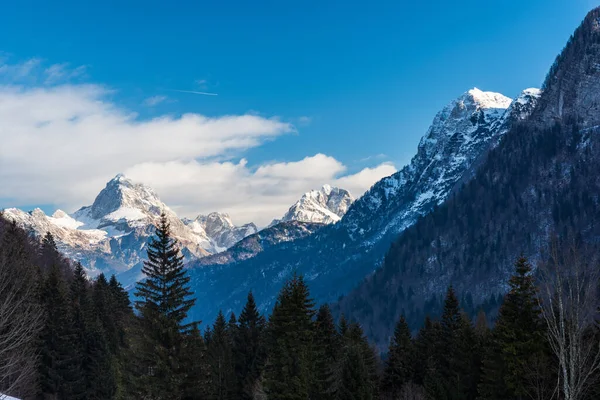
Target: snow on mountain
x,y
459,134
220,228
338,256
110,235
250,246
325,206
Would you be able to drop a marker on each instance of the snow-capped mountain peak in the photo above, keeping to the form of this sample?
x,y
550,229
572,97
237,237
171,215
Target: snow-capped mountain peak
x,y
326,206
488,100
110,235
121,193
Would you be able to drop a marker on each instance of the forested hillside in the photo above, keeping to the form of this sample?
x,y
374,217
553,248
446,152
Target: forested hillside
x,y
66,337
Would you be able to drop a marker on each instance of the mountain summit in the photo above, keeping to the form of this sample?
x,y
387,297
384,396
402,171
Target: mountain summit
x,y
338,256
325,206
110,235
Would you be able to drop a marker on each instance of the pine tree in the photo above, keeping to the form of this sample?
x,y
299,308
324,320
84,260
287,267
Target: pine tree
x,y
328,345
219,359
164,298
356,375
121,313
89,310
196,383
399,367
49,254
165,292
456,363
249,349
60,363
424,350
79,306
517,340
288,372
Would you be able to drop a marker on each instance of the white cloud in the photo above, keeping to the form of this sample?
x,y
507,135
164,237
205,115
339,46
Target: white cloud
x,y
62,72
19,71
257,195
154,100
33,71
61,143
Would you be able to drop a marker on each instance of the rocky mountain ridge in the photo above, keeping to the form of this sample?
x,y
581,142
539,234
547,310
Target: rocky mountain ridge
x,y
336,257
539,182
111,234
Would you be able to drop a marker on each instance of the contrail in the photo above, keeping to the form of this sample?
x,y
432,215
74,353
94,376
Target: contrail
x,y
194,92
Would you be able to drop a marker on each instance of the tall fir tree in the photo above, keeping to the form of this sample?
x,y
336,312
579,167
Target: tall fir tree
x,y
96,359
249,349
517,342
219,359
288,372
424,350
163,301
60,363
400,365
356,374
327,344
196,383
455,354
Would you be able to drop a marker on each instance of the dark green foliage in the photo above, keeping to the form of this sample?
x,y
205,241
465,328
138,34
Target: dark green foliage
x,y
356,372
93,347
61,364
221,383
518,348
327,348
400,365
288,372
164,294
196,381
425,349
249,349
163,303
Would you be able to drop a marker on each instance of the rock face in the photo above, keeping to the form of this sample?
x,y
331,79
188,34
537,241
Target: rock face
x,y
572,86
459,134
325,206
110,236
338,256
221,229
540,180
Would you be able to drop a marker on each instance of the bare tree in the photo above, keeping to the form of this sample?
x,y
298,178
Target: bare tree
x,y
20,317
412,391
568,300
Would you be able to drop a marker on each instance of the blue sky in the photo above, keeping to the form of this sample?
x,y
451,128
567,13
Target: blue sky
x,y
359,81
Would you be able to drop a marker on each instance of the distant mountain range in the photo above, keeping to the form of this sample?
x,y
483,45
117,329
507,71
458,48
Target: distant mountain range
x,y
110,235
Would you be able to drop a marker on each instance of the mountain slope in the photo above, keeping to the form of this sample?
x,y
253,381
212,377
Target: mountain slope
x,y
338,256
541,178
311,212
252,245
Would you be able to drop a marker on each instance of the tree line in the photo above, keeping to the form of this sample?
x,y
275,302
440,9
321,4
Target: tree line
x,y
65,336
